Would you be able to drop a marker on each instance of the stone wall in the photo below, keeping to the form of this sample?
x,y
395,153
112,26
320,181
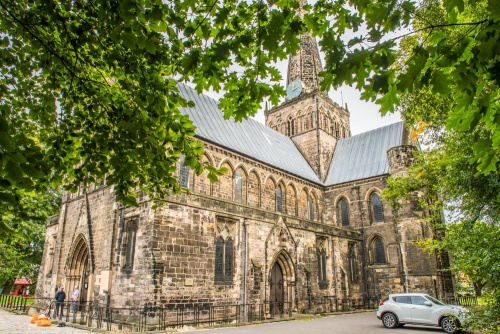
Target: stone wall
x,y
172,260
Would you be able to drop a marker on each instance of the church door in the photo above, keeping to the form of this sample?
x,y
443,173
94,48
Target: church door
x,y
78,271
276,290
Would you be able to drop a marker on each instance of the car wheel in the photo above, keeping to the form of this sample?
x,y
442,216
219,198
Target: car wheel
x,y
390,320
449,325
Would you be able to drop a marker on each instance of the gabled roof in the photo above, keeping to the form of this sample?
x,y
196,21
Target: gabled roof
x,y
364,155
357,157
249,137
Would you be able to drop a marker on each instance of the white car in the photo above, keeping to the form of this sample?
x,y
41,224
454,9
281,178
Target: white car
x,y
420,309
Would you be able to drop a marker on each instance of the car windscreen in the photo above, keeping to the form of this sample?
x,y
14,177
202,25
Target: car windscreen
x,y
434,300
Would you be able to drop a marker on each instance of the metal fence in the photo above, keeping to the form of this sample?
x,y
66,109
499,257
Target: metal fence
x,y
462,301
154,318
158,318
17,303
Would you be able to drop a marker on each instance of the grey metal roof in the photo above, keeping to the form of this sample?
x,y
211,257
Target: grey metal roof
x,y
248,137
364,155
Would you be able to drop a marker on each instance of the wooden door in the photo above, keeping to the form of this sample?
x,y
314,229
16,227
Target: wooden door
x,y
276,290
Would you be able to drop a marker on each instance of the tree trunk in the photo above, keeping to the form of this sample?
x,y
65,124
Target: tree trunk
x,y
478,288
7,287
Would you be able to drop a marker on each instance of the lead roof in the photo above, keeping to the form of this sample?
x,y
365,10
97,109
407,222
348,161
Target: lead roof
x,y
357,157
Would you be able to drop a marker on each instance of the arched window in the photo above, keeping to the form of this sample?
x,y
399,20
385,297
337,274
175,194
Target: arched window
x,y
223,261
378,251
279,199
321,253
377,211
344,212
311,208
183,174
353,265
238,187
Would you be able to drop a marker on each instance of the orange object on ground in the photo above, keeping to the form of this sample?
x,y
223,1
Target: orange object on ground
x,y
44,322
34,318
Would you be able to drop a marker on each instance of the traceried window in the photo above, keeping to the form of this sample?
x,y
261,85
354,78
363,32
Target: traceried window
x,y
238,187
311,208
377,211
183,174
279,199
343,208
378,251
353,264
321,253
224,261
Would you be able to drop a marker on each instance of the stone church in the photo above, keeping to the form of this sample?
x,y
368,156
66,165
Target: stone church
x,y
298,216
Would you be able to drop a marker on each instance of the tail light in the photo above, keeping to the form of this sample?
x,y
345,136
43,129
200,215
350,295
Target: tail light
x,y
382,302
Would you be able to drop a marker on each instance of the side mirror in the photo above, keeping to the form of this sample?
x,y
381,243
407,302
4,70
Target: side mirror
x,y
427,303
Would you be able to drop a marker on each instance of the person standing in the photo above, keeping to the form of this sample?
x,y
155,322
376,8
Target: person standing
x,y
74,299
60,297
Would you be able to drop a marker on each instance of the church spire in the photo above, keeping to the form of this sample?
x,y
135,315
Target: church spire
x,y
305,65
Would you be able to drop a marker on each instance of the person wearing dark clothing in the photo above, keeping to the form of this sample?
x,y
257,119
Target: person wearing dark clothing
x,y
60,297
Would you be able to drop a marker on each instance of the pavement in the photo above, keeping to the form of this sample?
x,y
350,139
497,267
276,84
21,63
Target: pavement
x,y
13,323
356,323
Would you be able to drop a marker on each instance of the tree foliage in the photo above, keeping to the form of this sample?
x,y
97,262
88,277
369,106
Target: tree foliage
x,y
22,240
450,174
88,89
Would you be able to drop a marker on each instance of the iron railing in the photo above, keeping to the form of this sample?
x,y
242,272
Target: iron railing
x,y
462,300
159,318
18,303
154,318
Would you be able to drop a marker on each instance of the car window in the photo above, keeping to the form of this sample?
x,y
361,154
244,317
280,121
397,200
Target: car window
x,y
434,300
402,299
417,300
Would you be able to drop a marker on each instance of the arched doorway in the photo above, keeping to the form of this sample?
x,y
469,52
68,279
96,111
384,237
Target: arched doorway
x,y
276,289
281,281
78,270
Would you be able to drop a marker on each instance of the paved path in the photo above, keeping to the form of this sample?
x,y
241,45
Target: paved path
x,y
359,323
12,323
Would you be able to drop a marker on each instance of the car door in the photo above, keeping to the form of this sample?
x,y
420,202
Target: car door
x,y
421,313
403,308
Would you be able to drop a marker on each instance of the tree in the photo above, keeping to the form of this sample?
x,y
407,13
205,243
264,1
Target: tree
x,y
448,175
456,56
22,240
93,84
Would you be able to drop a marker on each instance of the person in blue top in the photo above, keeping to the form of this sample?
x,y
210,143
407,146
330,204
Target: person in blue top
x,y
60,297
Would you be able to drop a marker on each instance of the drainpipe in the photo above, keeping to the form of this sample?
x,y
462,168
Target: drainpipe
x,y
334,268
320,174
244,251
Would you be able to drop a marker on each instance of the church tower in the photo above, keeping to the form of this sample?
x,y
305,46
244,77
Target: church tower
x,y
308,116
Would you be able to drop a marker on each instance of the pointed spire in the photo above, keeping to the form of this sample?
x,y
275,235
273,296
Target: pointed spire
x,y
306,63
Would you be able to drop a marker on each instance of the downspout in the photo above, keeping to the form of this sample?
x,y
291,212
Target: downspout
x,y
334,269
317,137
89,228
363,241
118,216
244,251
